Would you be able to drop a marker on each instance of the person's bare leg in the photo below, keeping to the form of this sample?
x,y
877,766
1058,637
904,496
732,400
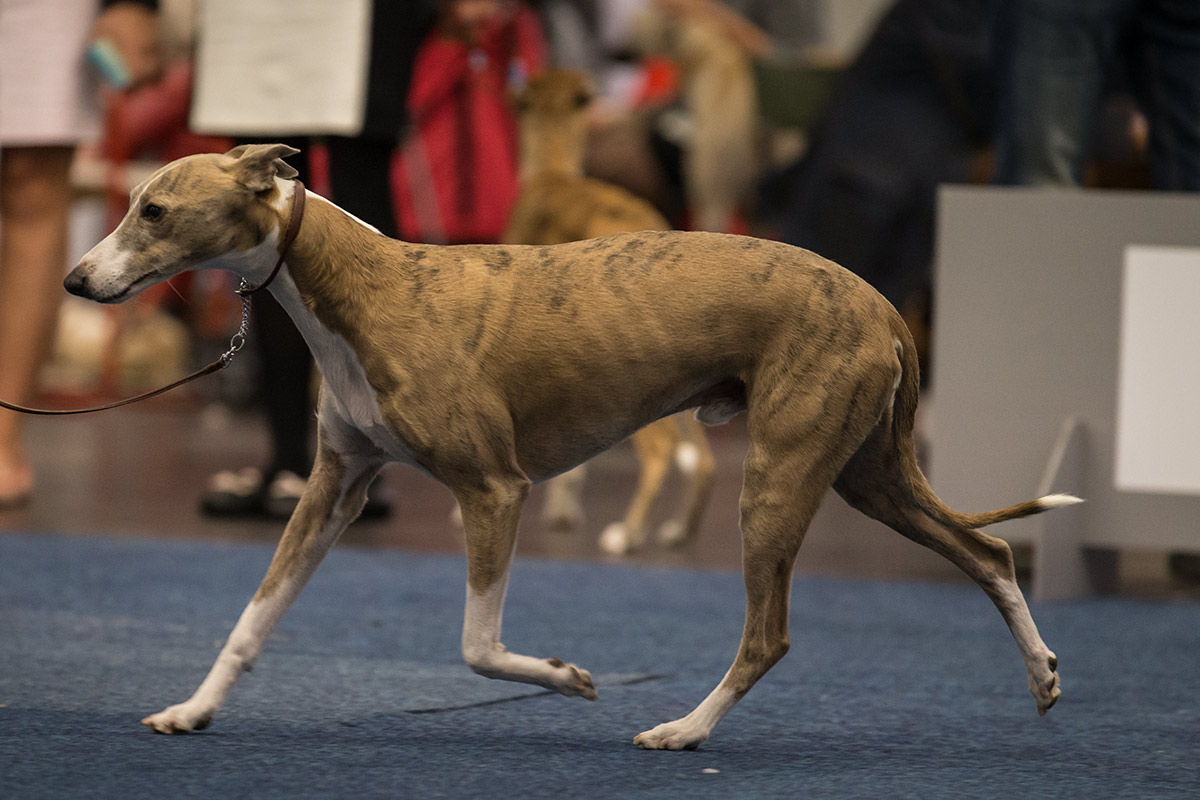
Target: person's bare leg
x,y
34,204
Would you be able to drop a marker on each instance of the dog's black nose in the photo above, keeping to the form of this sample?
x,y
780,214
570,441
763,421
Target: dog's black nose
x,y
76,282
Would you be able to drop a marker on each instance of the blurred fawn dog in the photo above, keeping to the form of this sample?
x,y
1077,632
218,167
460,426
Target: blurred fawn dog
x,y
558,204
724,148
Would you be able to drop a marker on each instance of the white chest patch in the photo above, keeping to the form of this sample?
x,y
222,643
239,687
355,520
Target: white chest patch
x,y
354,400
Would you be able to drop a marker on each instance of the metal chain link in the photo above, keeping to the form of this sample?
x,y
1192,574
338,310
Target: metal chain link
x,y
238,341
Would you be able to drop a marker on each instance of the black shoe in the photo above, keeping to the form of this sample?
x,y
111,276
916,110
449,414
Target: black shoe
x,y
1185,566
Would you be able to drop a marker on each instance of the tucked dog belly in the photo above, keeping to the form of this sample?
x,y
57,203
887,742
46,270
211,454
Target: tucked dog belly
x,y
551,450
580,425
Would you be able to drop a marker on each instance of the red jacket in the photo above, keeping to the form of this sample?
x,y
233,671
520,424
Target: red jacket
x,y
456,175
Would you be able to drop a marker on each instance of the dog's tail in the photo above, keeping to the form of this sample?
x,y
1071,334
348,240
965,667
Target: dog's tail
x,y
903,416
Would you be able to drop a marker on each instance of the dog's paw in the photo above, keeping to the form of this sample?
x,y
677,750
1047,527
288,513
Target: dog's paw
x,y
572,681
677,735
563,519
673,533
616,540
563,510
1046,689
687,458
178,719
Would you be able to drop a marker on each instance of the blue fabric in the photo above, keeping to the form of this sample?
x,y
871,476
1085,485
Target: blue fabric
x,y
891,690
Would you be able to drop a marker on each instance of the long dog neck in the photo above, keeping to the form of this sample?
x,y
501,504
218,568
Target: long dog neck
x,y
343,282
551,145
334,261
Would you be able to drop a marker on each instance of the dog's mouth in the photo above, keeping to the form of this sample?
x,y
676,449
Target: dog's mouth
x,y
83,286
135,288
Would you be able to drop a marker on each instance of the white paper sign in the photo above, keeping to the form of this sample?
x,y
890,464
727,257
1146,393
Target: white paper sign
x,y
1158,392
281,67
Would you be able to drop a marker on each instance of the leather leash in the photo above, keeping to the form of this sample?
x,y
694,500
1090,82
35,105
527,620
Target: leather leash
x,y
235,344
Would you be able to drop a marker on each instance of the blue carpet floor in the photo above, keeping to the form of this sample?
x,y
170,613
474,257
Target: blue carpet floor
x,y
891,690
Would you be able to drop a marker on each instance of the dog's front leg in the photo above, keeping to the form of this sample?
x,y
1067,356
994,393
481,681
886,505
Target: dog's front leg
x,y
332,499
490,517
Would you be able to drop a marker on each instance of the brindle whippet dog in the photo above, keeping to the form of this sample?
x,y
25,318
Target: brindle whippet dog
x,y
491,367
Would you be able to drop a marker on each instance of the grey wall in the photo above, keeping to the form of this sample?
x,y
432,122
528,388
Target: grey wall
x,y
1026,332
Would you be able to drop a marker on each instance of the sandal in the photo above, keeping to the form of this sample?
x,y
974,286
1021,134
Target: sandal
x,y
19,492
283,495
286,487
243,494
234,494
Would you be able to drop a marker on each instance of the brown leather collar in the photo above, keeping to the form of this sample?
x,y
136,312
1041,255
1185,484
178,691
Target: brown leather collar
x,y
235,344
289,236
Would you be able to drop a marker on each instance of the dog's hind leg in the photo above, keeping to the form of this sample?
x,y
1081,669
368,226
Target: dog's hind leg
x,y
695,460
654,445
564,500
333,497
872,482
491,510
791,462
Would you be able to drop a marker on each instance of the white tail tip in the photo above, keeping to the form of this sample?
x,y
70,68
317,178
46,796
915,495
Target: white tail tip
x,y
1058,500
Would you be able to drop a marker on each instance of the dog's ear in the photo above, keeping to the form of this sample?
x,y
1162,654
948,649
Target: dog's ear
x,y
257,165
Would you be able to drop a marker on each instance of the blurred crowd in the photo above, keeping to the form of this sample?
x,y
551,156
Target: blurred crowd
x,y
742,116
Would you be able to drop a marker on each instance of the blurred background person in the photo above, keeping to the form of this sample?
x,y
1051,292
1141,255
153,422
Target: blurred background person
x,y
47,106
456,181
349,159
1057,61
912,111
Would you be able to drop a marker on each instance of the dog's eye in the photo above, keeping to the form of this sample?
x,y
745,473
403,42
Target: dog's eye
x,y
152,211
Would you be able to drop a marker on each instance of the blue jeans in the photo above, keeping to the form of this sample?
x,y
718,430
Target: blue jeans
x,y
1055,59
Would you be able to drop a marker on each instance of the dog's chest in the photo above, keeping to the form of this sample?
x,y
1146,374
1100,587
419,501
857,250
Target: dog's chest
x,y
345,381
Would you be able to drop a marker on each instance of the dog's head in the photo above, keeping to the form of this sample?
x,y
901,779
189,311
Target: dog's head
x,y
556,94
696,32
552,109
679,34
207,211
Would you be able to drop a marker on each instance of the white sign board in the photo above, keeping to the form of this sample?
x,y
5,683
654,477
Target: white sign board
x,y
1158,391
282,67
